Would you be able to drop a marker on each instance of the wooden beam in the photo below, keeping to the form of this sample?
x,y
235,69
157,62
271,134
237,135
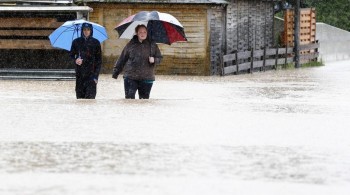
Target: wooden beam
x,y
310,46
25,32
297,33
25,44
45,8
29,23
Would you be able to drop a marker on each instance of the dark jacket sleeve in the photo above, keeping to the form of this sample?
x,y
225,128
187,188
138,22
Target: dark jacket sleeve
x,y
120,63
74,50
98,60
157,55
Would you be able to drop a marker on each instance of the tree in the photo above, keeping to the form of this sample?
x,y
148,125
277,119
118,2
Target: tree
x,y
333,12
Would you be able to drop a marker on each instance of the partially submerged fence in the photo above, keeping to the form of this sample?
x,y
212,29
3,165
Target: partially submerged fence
x,y
267,58
309,52
256,59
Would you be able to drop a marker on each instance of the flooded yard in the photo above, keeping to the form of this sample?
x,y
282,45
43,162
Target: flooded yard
x,y
268,133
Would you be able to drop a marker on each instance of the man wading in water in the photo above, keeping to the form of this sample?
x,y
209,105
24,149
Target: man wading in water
x,y
86,52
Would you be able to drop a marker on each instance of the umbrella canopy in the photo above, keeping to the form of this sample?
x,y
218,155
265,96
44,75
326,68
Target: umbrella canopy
x,y
162,27
63,36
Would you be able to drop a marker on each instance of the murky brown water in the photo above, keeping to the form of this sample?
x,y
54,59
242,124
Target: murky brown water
x,y
277,132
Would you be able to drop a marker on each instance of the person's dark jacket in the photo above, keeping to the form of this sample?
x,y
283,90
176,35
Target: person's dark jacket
x,y
88,49
134,60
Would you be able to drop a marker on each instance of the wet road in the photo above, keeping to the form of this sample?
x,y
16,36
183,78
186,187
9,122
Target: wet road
x,y
277,132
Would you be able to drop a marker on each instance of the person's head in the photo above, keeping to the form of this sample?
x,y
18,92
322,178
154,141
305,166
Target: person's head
x,y
141,32
86,30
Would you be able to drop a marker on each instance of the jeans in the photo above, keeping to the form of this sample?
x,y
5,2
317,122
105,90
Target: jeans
x,y
85,88
143,87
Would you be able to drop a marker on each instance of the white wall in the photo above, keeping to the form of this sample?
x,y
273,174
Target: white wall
x,y
334,43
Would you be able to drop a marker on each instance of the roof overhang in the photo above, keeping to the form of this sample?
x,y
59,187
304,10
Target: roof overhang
x,y
157,1
37,1
45,9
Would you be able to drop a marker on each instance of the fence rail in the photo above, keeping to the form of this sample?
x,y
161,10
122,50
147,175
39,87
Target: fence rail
x,y
250,60
267,57
309,52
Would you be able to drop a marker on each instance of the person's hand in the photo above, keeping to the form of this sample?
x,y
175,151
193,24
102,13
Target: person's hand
x,y
151,60
115,76
79,61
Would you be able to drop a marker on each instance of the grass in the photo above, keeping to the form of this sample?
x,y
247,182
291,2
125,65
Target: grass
x,y
312,64
306,65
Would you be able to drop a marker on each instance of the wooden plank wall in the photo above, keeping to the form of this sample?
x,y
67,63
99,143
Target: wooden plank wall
x,y
217,35
26,33
307,26
288,33
185,58
249,24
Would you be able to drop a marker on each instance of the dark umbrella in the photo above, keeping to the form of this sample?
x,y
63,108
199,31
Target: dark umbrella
x,y
162,27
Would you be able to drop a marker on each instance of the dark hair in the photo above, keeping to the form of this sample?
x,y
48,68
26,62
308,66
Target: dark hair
x,y
140,26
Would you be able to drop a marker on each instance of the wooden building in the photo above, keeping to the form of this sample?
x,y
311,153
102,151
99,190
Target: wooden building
x,y
213,28
24,30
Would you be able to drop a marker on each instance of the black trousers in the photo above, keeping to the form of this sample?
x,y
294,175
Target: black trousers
x,y
85,88
143,88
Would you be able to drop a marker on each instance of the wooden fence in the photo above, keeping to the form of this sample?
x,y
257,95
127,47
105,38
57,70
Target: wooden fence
x,y
268,57
256,59
309,52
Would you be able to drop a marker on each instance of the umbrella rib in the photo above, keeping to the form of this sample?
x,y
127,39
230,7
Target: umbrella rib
x,y
61,33
75,29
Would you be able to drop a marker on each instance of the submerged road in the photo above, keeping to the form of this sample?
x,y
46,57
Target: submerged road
x,y
276,132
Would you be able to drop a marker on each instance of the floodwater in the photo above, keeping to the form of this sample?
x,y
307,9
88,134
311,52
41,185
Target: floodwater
x,y
269,133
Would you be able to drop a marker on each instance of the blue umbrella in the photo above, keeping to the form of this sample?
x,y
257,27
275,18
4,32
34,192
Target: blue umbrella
x,y
63,36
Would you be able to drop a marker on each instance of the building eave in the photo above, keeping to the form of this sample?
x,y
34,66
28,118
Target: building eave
x,y
157,1
37,1
45,8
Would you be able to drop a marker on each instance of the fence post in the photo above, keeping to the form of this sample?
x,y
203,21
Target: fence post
x,y
237,69
297,33
316,51
251,60
222,65
276,58
264,59
286,56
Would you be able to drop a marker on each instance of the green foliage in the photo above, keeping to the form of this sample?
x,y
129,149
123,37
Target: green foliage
x,y
333,12
289,66
312,64
306,65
